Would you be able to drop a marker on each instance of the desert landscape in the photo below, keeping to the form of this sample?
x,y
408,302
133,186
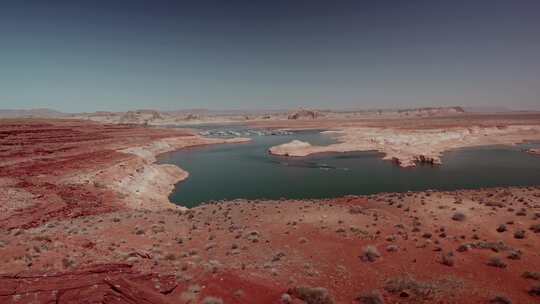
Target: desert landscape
x,y
269,152
85,215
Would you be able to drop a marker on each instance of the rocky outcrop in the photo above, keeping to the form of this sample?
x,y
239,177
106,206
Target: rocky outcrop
x,y
292,148
425,160
117,283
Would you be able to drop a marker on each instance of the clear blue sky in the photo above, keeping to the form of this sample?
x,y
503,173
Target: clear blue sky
x,y
117,55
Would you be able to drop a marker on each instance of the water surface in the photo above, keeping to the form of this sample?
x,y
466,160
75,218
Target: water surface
x,y
224,172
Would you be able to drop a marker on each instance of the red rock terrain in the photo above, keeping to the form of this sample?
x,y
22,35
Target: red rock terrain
x,y
81,242
36,155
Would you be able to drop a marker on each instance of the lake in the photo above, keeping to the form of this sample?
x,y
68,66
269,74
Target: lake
x,y
246,170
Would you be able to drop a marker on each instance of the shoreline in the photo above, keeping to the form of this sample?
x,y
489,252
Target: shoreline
x,y
407,148
153,183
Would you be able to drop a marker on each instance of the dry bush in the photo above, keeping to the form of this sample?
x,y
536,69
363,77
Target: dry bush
x,y
535,228
535,290
448,259
311,295
496,262
533,275
373,297
458,216
370,254
408,287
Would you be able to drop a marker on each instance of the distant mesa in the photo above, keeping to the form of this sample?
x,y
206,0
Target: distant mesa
x,y
304,114
140,116
194,116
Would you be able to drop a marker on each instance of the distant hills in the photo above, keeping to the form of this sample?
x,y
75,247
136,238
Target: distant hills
x,y
18,113
487,109
148,115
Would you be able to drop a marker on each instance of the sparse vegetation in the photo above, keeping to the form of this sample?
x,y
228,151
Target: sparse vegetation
x,y
493,246
392,248
535,290
407,286
496,262
458,216
373,297
532,275
519,234
501,228
448,259
312,295
535,228
514,255
370,254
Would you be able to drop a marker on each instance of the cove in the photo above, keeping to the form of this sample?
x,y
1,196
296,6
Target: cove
x,y
231,171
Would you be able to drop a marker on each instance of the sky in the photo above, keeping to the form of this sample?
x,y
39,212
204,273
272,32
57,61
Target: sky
x,y
77,56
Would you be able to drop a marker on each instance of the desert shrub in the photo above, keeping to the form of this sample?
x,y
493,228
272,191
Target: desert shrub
x,y
535,228
312,295
514,255
494,246
501,228
496,262
519,234
531,275
373,297
370,254
458,216
392,248
448,259
535,290
407,286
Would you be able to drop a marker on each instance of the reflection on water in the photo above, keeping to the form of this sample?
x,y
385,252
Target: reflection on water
x,y
246,170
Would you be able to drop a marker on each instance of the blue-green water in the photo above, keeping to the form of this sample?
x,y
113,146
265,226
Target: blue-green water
x,y
223,172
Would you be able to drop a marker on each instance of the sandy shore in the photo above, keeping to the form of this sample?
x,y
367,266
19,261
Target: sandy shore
x,y
409,147
148,185
138,181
